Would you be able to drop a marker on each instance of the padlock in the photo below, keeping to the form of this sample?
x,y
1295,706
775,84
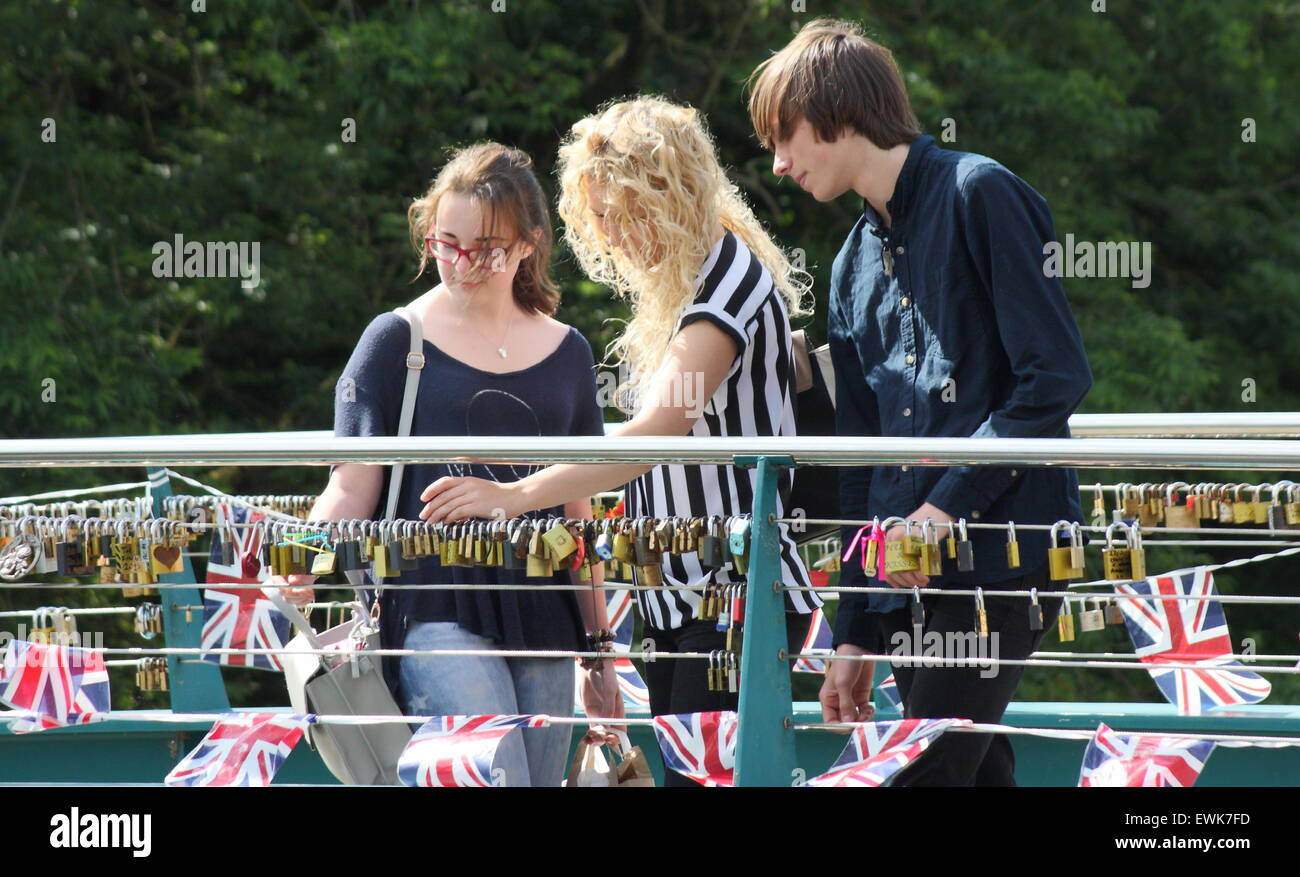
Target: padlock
x,y
1035,611
1291,511
1242,511
1117,563
1179,514
1137,554
1065,622
65,627
1013,546
70,551
738,542
1131,502
965,553
623,548
1147,506
1077,557
1098,506
42,629
1258,507
1276,510
981,616
560,541
1091,619
1060,560
918,618
931,552
1114,613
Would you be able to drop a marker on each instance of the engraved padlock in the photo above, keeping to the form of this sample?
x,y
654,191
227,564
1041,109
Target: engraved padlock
x,y
1117,562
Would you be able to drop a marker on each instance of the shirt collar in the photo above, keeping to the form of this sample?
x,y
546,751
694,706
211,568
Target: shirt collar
x,y
905,185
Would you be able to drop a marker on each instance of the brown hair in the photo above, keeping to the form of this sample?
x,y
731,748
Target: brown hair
x,y
836,78
501,179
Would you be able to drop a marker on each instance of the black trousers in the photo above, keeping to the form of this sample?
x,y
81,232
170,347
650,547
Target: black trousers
x,y
962,758
678,685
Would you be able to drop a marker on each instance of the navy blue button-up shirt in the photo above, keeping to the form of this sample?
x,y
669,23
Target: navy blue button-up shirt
x,y
957,331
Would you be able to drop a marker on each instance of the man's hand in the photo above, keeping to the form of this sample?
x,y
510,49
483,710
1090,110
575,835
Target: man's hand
x,y
846,692
898,531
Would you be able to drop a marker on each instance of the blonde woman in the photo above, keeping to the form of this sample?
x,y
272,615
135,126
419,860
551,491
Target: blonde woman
x,y
650,213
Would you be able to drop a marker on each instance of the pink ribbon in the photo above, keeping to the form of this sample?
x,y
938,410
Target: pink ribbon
x,y
859,543
878,536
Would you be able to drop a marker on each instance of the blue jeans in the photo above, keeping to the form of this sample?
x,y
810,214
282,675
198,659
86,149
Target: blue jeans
x,y
436,685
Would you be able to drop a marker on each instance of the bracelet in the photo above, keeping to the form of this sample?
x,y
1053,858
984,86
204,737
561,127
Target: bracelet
x,y
599,640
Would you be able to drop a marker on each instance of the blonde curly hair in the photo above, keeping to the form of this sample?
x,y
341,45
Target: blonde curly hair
x,y
656,167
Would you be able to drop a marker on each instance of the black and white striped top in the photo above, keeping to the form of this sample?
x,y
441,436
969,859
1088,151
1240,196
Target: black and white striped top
x,y
735,293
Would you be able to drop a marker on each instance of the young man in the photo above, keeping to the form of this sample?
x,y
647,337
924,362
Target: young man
x,y
942,323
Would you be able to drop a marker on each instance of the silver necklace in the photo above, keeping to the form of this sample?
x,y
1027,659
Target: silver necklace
x,y
501,350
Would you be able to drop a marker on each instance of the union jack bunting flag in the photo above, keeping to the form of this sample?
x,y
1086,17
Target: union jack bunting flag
x,y
877,751
53,686
1166,630
701,746
1117,759
240,618
242,749
818,640
889,688
457,751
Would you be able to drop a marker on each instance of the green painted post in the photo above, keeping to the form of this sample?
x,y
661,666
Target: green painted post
x,y
765,751
195,687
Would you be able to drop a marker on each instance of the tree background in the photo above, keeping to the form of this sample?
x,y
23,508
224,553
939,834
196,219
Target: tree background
x,y
225,124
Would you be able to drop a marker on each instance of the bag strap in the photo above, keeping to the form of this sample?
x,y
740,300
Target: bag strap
x,y
414,364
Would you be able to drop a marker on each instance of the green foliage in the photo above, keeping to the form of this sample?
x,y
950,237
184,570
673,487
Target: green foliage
x,y
226,125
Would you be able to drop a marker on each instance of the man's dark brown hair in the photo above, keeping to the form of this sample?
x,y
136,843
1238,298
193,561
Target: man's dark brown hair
x,y
836,78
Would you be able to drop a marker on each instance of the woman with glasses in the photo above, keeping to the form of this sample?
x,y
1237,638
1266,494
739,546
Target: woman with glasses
x,y
496,363
650,212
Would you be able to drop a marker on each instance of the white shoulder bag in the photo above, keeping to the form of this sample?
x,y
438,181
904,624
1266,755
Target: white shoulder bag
x,y
353,683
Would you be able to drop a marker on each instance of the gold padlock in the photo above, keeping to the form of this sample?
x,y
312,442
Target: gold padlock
x,y
897,560
1013,546
1242,512
1145,514
1178,514
1258,506
1291,510
1137,554
1065,621
931,560
1060,560
1117,562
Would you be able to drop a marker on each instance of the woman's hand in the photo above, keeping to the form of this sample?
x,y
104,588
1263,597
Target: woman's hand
x,y
295,589
455,499
601,698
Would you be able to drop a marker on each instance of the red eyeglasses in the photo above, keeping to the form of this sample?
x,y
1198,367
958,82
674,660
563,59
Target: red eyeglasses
x,y
446,251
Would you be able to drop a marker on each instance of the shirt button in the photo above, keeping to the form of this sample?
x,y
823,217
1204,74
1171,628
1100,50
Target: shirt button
x,y
906,301
975,515
899,251
1013,473
905,468
907,412
910,359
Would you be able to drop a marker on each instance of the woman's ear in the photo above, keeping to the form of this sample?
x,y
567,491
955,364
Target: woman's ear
x,y
529,249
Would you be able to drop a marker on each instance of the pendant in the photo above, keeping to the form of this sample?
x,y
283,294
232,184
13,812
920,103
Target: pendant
x,y
502,351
